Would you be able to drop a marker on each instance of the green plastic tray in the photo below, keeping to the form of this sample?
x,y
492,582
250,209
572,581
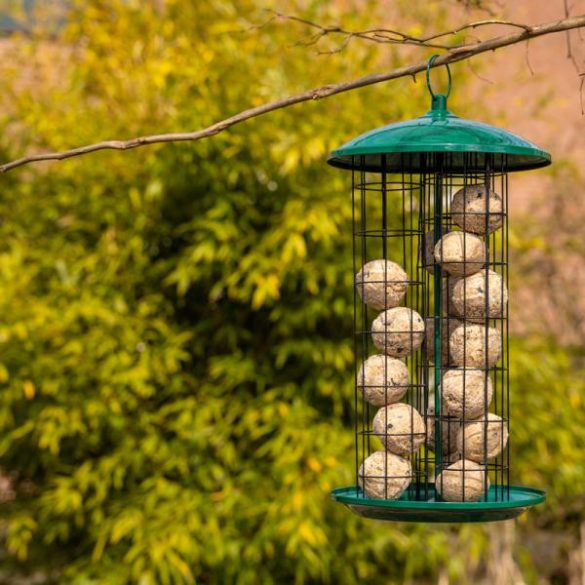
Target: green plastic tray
x,y
492,509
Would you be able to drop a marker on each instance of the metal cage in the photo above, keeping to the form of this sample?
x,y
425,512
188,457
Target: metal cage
x,y
452,437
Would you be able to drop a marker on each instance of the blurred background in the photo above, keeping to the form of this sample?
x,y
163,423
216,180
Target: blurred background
x,y
175,321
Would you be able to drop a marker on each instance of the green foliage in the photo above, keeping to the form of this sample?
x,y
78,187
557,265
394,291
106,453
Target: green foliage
x,y
548,390
175,352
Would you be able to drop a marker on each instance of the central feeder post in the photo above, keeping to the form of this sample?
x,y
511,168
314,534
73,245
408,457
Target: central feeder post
x,y
438,284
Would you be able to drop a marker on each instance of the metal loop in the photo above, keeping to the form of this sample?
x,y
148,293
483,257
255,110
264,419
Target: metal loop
x,y
429,65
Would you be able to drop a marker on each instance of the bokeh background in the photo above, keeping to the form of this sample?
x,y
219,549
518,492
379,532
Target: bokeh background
x,y
176,362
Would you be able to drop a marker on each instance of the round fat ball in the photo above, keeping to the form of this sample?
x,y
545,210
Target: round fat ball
x,y
427,248
460,253
381,284
470,349
480,296
384,475
383,380
398,332
468,210
462,481
400,427
474,385
490,431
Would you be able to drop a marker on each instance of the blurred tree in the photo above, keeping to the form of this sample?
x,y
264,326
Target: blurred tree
x,y
176,349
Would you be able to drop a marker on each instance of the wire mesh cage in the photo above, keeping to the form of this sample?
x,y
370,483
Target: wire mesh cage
x,y
431,327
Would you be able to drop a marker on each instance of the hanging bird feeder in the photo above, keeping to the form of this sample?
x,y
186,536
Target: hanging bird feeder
x,y
430,248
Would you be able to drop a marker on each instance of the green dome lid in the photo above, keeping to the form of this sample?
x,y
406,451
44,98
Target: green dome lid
x,y
438,131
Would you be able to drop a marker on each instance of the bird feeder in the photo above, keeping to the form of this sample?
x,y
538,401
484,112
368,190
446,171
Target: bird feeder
x,y
430,249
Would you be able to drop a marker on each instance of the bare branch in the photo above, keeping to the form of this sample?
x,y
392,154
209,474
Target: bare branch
x,y
570,54
385,35
378,35
527,58
452,56
479,24
573,58
476,74
339,49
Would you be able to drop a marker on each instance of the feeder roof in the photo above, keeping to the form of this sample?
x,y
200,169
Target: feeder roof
x,y
438,131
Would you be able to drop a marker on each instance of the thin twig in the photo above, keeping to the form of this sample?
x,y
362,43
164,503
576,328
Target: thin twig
x,y
527,58
379,35
570,54
480,77
386,35
339,49
478,24
452,56
573,58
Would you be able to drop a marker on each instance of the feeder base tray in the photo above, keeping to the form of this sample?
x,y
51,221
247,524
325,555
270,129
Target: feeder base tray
x,y
497,506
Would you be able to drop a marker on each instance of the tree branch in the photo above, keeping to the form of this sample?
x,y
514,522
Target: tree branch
x,y
452,56
570,54
385,35
376,35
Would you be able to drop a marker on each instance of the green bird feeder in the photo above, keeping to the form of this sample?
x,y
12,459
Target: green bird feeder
x,y
430,249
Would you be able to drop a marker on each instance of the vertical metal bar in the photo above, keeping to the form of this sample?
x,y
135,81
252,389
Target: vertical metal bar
x,y
384,236
437,279
498,405
506,361
384,217
469,166
422,275
364,314
488,249
414,271
355,325
413,302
